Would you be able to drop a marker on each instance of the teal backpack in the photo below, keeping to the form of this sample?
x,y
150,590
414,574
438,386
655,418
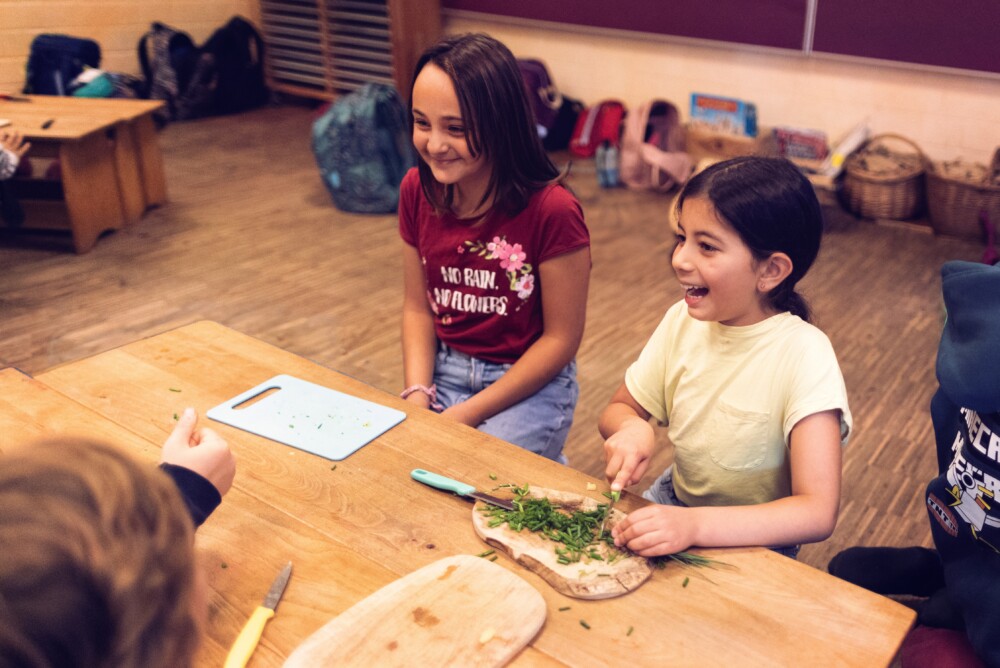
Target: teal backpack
x,y
363,149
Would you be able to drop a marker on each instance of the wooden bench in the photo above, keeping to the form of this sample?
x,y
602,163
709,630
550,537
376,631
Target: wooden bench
x,y
111,166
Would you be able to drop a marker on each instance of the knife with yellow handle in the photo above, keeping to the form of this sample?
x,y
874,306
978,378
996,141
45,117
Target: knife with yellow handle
x,y
247,641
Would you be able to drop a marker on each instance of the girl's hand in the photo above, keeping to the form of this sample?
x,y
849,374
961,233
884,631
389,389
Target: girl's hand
x,y
627,452
201,450
420,399
656,530
460,413
14,142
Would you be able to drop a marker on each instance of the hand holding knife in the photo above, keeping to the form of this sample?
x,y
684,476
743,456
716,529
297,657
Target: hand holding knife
x,y
247,641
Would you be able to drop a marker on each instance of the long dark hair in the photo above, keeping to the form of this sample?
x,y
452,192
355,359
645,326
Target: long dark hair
x,y
499,122
773,207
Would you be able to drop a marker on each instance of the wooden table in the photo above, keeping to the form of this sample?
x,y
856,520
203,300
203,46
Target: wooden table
x,y
352,529
110,160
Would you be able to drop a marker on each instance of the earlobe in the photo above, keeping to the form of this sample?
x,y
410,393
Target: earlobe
x,y
776,269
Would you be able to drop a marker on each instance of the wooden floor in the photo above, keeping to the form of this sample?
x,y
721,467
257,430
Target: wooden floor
x,y
250,239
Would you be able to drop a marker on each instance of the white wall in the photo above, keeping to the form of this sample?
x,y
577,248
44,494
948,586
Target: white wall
x,y
948,115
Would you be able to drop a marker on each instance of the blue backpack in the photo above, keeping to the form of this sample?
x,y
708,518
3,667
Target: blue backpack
x,y
363,148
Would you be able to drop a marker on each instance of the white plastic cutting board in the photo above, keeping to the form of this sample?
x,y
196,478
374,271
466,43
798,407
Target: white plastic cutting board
x,y
309,417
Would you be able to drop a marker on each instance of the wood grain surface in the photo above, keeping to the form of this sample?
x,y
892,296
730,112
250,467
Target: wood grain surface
x,y
456,611
610,576
765,610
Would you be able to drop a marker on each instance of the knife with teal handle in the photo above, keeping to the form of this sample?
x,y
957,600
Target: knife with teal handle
x,y
462,489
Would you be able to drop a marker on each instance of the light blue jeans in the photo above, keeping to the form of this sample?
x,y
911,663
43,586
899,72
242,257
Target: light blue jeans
x,y
662,491
539,423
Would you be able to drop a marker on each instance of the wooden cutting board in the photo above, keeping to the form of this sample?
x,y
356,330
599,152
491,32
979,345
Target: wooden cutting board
x,y
457,611
588,578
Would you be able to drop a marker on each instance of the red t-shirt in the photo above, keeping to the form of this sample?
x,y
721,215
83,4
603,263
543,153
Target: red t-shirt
x,y
482,280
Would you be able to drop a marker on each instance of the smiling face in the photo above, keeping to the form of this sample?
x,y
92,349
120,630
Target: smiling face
x,y
439,136
719,274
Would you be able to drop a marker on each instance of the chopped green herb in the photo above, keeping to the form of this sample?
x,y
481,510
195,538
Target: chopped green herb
x,y
486,553
493,476
225,565
564,608
333,468
291,426
584,624
685,583
319,426
175,416
174,389
629,632
493,558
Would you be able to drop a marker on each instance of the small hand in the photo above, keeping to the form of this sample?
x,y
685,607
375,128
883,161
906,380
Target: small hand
x,y
627,454
201,450
656,529
460,413
14,142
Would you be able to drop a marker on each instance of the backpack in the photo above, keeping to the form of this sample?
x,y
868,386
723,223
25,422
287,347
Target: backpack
x,y
542,93
238,52
55,60
595,126
652,152
170,63
363,149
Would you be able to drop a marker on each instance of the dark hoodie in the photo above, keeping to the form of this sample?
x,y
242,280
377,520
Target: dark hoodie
x,y
964,501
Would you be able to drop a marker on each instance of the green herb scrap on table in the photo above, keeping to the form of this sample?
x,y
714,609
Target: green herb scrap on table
x,y
576,532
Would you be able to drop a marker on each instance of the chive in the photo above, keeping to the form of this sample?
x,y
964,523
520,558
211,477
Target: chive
x,y
564,608
584,624
493,558
175,416
333,468
685,583
493,476
174,389
629,632
486,553
225,565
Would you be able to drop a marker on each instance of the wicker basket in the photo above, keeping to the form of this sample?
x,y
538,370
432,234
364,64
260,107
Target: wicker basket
x,y
956,200
881,182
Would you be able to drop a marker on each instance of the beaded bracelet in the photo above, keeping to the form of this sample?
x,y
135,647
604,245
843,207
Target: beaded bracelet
x,y
431,393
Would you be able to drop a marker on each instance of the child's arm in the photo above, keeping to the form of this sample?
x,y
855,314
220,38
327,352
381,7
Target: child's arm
x,y
564,281
201,450
808,515
630,439
419,340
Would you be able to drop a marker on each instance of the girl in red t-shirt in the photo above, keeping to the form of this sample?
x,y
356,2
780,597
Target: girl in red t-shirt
x,y
496,256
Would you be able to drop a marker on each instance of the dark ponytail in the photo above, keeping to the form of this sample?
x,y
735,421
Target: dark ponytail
x,y
773,208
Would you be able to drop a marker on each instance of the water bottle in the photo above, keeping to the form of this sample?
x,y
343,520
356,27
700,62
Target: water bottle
x,y
611,166
600,159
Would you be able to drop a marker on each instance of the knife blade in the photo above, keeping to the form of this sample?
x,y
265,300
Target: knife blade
x,y
462,489
248,638
613,496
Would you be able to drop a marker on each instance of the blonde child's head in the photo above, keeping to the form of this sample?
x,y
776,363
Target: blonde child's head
x,y
97,563
773,208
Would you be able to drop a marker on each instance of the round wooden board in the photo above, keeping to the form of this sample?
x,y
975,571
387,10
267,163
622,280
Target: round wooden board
x,y
588,578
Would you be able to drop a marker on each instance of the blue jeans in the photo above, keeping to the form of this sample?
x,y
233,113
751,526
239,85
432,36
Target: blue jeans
x,y
662,491
539,423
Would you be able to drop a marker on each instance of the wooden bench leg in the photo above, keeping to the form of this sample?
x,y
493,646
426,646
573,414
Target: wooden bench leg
x,y
90,185
129,169
154,180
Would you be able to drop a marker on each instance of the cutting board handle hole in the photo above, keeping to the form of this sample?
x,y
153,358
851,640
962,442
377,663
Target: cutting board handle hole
x,y
255,398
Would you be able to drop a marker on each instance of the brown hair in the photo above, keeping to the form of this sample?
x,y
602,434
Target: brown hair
x,y
98,560
498,119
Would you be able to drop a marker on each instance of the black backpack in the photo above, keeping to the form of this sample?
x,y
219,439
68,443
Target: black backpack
x,y
238,53
177,71
55,60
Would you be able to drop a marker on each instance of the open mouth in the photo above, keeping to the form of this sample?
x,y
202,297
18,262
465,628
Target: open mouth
x,y
695,291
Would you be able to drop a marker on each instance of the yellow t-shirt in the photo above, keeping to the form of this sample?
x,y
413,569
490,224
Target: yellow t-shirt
x,y
730,397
